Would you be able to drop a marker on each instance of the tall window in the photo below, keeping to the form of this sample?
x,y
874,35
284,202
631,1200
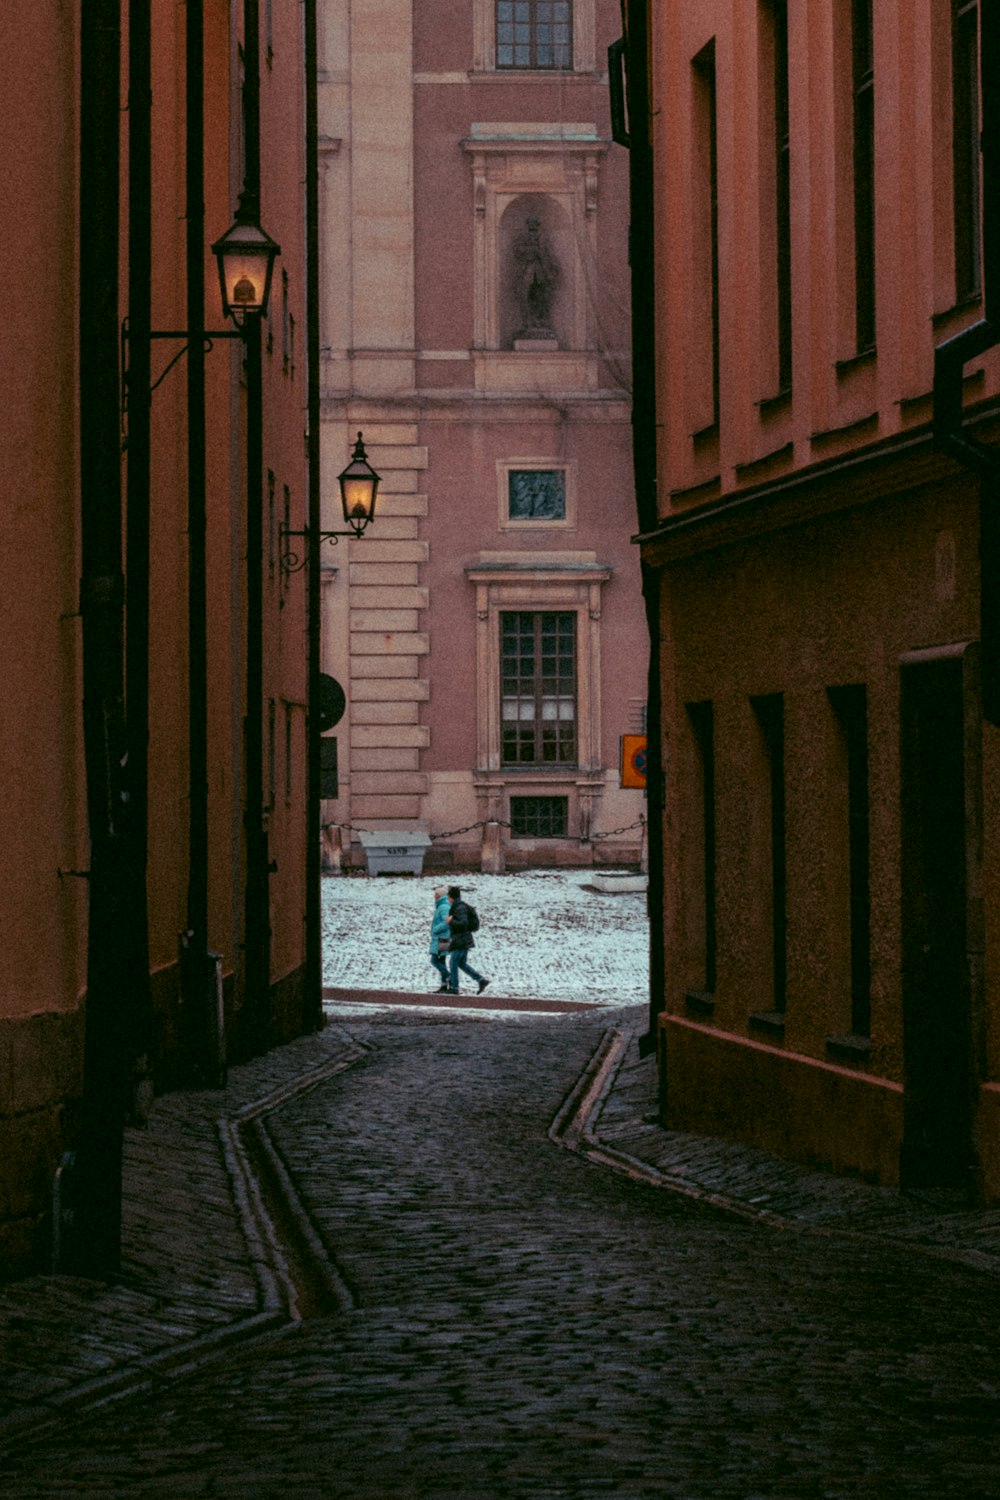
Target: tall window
x,y
702,717
538,688
965,140
534,34
706,210
850,706
782,192
770,711
863,82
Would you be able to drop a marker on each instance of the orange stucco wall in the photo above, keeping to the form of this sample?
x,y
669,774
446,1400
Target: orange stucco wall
x,y
782,1102
810,538
43,829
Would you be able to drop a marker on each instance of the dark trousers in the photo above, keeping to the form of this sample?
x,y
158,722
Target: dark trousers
x,y
458,958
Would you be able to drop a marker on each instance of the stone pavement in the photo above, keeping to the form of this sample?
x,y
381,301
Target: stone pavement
x,y
219,1248
365,1270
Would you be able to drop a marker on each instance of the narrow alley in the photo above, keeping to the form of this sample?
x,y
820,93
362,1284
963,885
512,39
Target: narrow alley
x,y
505,1318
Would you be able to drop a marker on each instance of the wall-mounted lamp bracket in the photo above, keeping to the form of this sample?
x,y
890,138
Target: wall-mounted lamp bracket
x,y
209,336
291,560
358,492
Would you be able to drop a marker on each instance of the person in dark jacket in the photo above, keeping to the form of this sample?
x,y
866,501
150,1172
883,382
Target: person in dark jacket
x,y
460,940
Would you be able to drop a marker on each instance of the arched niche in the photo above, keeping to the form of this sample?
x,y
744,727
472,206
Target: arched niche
x,y
555,234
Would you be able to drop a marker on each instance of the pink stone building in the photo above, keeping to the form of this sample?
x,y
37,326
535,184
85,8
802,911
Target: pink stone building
x,y
488,629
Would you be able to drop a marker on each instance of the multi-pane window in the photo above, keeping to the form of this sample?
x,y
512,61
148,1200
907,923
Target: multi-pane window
x,y
536,495
534,34
539,817
965,140
538,688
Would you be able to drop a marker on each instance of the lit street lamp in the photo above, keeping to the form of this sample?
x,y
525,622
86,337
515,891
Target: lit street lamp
x,y
358,492
246,256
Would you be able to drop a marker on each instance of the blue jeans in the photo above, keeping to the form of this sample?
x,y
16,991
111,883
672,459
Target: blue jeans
x,y
458,958
441,964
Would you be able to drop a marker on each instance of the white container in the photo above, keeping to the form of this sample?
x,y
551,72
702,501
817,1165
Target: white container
x,y
618,880
395,851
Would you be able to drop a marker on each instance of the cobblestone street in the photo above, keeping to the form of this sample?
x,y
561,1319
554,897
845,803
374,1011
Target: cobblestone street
x,y
498,1316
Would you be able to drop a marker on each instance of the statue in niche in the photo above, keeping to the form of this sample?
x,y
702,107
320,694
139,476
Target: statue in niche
x,y
536,272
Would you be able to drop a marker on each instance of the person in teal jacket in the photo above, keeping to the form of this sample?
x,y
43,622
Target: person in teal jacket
x,y
439,935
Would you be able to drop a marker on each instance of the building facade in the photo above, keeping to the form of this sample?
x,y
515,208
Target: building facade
x,y
488,629
132,821
831,832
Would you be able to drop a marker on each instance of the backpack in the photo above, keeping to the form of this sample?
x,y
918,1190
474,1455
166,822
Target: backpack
x,y
472,920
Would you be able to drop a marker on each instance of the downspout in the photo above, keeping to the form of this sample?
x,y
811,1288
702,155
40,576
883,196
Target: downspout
x,y
951,357
313,1009
257,914
628,67
138,503
201,1044
95,1249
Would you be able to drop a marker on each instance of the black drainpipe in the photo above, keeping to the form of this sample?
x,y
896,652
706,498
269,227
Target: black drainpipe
x,y
202,1062
951,357
138,502
313,1016
257,915
94,1247
628,67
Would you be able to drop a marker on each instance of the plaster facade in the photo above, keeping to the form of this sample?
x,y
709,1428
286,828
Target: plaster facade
x,y
436,158
46,842
831,991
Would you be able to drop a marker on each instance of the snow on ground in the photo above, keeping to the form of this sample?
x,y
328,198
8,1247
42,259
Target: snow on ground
x,y
543,934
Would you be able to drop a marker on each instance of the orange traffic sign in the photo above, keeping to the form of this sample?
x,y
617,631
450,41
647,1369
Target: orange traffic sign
x,y
633,760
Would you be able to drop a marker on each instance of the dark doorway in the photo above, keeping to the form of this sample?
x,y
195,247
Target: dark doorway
x,y
939,721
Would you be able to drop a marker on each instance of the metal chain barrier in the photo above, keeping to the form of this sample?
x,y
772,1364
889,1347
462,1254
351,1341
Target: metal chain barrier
x,y
502,823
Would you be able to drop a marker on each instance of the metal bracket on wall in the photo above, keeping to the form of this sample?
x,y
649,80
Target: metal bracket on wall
x,y
209,336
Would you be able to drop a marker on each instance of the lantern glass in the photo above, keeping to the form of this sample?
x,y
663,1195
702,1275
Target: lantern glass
x,y
246,258
358,489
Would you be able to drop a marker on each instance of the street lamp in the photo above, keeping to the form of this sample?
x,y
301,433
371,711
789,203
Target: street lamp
x,y
358,489
246,256
358,492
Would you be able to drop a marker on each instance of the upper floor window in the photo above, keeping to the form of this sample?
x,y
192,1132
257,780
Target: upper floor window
x,y
775,200
534,34
538,688
965,139
863,85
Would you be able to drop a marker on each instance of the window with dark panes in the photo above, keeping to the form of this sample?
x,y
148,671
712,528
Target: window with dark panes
x,y
783,192
538,688
536,495
539,817
965,143
863,78
534,34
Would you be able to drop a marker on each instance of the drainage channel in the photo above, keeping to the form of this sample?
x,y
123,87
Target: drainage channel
x,y
296,1278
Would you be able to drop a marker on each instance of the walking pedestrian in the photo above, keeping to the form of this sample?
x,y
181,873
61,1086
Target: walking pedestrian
x,y
460,940
439,936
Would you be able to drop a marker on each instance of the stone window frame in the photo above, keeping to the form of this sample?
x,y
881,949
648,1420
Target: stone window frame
x,y
506,522
538,582
484,42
